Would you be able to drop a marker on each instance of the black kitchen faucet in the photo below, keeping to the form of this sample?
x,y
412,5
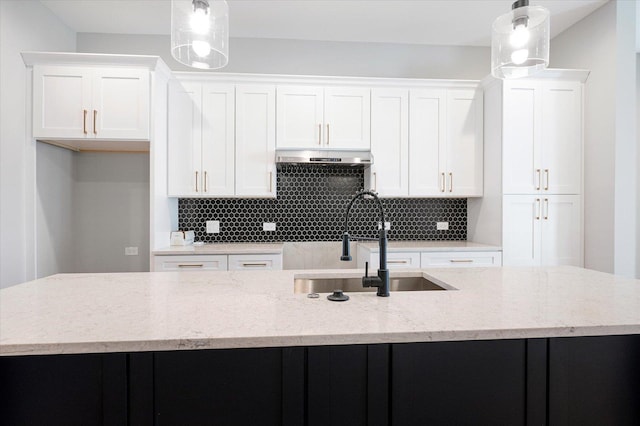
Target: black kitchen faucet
x,y
382,280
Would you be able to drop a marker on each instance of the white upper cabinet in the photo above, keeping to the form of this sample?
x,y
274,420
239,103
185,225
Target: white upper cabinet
x,y
75,102
323,118
201,139
255,140
445,143
542,137
390,142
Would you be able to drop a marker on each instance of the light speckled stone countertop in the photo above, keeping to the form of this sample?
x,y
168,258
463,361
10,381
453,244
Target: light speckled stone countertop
x,y
434,246
86,313
222,248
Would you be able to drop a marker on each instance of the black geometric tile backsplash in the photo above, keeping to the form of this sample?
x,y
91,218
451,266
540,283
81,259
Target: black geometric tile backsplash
x,y
310,206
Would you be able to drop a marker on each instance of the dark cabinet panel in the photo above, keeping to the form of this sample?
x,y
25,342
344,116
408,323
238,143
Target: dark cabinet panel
x,y
225,387
461,383
337,385
63,390
594,380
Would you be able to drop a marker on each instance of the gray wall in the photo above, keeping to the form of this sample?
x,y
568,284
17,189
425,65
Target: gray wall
x,y
111,203
55,229
24,26
599,43
274,56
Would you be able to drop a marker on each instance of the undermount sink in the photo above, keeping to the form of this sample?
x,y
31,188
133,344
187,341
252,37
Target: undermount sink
x,y
347,285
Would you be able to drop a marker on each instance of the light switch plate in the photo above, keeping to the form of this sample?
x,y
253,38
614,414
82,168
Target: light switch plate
x,y
268,226
213,226
131,251
442,226
387,225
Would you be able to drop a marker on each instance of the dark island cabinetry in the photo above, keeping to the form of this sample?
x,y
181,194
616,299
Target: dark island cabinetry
x,y
555,381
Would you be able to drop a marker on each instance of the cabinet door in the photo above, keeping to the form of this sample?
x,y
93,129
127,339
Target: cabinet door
x,y
299,117
521,227
562,136
522,109
218,139
347,118
184,139
390,142
209,262
61,102
464,143
561,230
426,138
120,104
395,260
459,259
255,141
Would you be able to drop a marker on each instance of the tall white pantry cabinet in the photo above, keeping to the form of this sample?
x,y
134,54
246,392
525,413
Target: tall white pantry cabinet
x,y
533,205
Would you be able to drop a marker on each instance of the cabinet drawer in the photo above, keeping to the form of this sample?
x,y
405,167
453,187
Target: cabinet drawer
x,y
191,263
248,262
396,260
461,259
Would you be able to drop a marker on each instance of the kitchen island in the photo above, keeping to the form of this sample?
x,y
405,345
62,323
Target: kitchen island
x,y
501,345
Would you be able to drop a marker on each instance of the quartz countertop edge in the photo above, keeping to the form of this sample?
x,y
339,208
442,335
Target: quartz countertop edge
x,y
161,311
221,248
431,246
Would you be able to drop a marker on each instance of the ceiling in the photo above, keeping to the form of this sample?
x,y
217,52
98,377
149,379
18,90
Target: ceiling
x,y
434,22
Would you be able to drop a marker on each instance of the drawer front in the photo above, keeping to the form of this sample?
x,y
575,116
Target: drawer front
x,y
251,262
191,263
460,259
396,260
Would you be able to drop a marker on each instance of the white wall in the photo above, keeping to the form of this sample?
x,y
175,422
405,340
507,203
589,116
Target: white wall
x,y
599,43
638,144
24,25
273,56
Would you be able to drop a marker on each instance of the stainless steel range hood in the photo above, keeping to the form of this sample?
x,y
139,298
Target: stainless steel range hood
x,y
362,158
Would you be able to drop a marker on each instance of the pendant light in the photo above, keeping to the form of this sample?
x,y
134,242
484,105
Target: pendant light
x,y
520,41
200,33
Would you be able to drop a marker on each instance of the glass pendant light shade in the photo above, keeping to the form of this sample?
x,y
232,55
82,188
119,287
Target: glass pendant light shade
x,y
520,41
200,33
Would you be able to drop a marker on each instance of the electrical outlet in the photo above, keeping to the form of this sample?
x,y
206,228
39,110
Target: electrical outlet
x,y
131,251
387,225
213,226
442,226
268,226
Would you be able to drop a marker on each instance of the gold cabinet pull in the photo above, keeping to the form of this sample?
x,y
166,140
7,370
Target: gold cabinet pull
x,y
546,209
205,181
196,181
254,264
539,179
401,261
84,121
461,260
327,134
190,265
537,208
95,116
450,182
319,134
442,183
546,186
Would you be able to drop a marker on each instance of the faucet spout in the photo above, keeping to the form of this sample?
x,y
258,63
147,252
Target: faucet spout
x,y
382,280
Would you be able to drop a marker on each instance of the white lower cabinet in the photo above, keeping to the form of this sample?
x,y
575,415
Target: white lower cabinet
x,y
460,259
188,263
252,262
542,230
217,262
426,259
